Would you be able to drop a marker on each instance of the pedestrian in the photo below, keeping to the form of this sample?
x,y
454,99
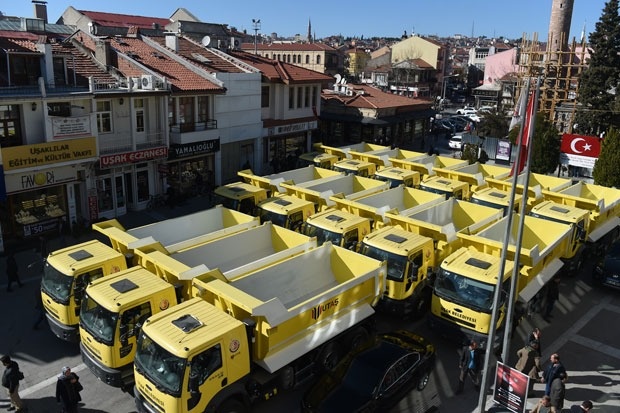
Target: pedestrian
x,y
535,336
552,371
529,362
38,306
557,393
10,380
586,406
543,405
469,365
68,389
552,295
11,272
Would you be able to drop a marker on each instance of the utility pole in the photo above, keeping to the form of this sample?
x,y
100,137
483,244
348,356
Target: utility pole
x,y
256,28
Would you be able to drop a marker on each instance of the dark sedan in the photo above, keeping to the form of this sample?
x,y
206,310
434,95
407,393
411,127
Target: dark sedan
x,y
374,377
607,271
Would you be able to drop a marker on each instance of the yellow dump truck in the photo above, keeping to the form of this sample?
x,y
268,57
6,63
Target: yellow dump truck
x,y
294,176
449,188
397,200
463,294
346,186
474,175
443,221
384,170
318,159
240,196
604,206
426,164
287,211
247,340
495,198
114,307
342,152
68,271
356,167
536,185
396,176
341,228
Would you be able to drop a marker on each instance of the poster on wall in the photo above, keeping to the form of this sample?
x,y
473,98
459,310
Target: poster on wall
x,y
93,208
511,388
502,153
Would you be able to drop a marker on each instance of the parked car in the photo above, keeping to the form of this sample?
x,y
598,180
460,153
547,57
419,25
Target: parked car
x,y
456,142
487,109
374,377
607,271
459,99
467,111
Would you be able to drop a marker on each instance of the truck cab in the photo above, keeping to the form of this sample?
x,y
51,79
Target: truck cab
x,y
356,167
399,176
447,187
286,211
496,198
339,227
66,274
240,196
318,159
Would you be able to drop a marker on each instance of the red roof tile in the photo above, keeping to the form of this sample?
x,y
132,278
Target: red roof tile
x,y
79,66
287,47
365,96
123,20
275,70
18,42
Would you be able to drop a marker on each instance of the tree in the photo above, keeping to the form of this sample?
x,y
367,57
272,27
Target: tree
x,y
493,124
605,170
546,145
600,80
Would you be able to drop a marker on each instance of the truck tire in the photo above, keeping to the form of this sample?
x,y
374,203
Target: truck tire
x,y
357,337
232,406
329,356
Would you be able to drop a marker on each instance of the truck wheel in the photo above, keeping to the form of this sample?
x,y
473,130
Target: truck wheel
x,y
329,356
232,406
357,337
422,303
287,378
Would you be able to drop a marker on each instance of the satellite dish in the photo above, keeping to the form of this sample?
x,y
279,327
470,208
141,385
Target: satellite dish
x,y
338,77
206,41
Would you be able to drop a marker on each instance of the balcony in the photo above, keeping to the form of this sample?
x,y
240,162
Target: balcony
x,y
111,145
187,132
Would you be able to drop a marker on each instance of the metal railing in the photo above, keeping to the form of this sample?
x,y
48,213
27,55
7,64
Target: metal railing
x,y
109,145
193,126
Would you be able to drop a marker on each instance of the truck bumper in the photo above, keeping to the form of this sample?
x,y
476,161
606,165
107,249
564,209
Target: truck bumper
x,y
63,332
121,377
460,334
142,405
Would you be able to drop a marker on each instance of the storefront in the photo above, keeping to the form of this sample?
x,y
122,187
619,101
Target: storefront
x,y
284,144
190,168
126,181
45,186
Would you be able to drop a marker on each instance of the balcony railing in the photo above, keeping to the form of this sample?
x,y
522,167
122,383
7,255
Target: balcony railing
x,y
193,126
109,145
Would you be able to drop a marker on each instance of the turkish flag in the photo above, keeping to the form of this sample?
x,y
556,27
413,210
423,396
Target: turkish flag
x,y
581,145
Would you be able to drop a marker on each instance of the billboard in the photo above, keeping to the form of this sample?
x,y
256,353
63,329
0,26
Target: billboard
x,y
511,388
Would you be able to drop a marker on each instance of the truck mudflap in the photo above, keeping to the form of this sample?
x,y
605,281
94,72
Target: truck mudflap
x,y
63,332
121,377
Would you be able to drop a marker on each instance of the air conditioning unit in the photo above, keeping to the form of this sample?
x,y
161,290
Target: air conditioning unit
x,y
222,44
148,82
134,83
349,92
235,43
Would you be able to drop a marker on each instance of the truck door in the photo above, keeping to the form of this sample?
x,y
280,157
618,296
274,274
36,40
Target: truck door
x,y
81,281
131,322
206,375
350,239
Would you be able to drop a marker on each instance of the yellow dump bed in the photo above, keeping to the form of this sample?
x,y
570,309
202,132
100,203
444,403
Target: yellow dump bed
x,y
602,202
426,164
176,234
295,176
343,151
474,175
380,157
536,185
396,200
496,198
300,303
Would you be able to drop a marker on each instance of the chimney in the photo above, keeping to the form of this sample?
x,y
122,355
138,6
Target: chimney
x,y
102,52
172,41
40,9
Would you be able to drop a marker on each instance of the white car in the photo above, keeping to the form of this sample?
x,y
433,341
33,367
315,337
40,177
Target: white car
x,y
455,142
467,111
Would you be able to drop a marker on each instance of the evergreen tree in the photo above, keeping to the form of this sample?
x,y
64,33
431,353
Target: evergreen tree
x,y
599,82
605,170
493,124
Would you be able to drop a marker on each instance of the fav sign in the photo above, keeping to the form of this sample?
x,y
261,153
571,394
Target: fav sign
x,y
581,145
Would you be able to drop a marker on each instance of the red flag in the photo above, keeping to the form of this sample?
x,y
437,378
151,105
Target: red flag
x,y
528,127
581,145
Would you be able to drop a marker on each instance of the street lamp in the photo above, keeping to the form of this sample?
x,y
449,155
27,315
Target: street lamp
x,y
256,28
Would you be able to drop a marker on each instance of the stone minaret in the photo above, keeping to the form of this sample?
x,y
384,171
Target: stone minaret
x,y
309,31
559,25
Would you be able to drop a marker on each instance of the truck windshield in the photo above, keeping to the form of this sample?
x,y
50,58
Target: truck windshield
x,y
323,235
56,284
162,368
274,217
438,191
489,204
464,291
393,182
396,264
227,202
98,321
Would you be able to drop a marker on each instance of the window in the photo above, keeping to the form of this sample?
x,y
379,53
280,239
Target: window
x,y
291,98
307,96
10,134
205,364
299,58
104,116
59,109
134,317
307,59
314,95
186,110
318,59
299,91
60,74
294,58
172,112
264,97
288,58
138,105
203,108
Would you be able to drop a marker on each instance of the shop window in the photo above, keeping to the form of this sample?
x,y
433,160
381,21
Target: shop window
x,y
104,194
59,109
38,212
264,97
138,105
10,131
104,116
143,185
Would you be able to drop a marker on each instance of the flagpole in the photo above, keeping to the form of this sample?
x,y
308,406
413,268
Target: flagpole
x,y
526,185
502,264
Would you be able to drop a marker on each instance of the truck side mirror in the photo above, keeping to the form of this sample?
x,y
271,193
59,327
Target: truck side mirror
x,y
123,330
78,290
413,271
193,383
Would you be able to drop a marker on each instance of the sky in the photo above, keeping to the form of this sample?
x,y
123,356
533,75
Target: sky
x,y
387,18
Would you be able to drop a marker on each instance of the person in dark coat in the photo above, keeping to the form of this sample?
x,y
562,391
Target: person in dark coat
x,y
10,380
68,390
470,365
529,362
535,336
553,370
12,272
557,393
553,294
584,407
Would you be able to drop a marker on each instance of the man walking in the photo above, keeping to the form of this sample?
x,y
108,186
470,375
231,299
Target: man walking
x,y
68,390
529,362
469,364
10,380
557,393
586,406
12,272
552,371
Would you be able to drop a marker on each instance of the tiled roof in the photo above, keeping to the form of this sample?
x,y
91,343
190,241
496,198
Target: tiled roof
x,y
288,47
79,66
180,77
201,56
373,98
18,42
123,20
275,70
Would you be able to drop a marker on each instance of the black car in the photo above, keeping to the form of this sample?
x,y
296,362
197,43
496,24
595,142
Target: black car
x,y
374,377
607,271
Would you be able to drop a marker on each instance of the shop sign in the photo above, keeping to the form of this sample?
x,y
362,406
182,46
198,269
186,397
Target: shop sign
x,y
577,160
192,149
40,227
502,152
293,127
93,208
39,179
72,126
110,161
28,156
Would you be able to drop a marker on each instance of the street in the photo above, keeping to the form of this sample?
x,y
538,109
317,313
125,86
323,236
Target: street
x,y
583,331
